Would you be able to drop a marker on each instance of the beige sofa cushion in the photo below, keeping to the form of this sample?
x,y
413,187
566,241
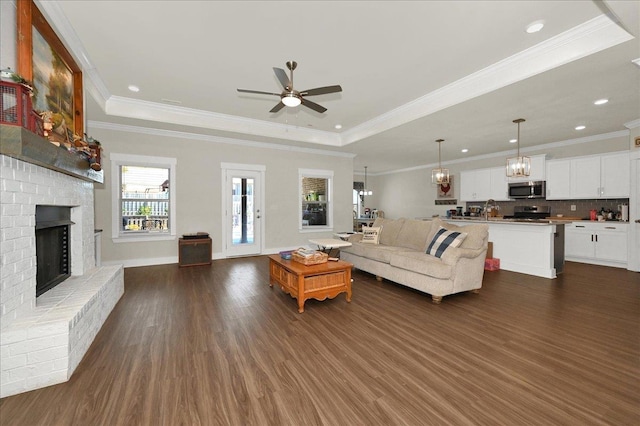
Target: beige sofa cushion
x,y
390,230
413,234
376,252
421,263
476,234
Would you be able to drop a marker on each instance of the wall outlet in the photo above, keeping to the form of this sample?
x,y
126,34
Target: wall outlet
x,y
573,207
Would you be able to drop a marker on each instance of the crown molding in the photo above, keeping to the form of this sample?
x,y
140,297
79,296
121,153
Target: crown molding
x,y
214,139
632,124
536,148
585,39
145,110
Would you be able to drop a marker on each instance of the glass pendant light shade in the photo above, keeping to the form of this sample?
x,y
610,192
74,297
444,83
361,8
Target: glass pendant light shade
x,y
291,100
439,176
518,166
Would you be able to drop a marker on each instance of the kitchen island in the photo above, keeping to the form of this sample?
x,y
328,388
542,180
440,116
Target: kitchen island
x,y
529,247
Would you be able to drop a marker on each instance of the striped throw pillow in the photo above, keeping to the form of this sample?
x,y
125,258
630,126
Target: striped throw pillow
x,y
443,240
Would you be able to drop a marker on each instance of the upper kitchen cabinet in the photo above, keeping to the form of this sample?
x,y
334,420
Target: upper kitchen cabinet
x,y
538,170
604,176
615,175
499,184
558,179
585,177
475,185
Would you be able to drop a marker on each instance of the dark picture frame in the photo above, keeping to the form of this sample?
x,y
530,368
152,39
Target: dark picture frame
x,y
69,90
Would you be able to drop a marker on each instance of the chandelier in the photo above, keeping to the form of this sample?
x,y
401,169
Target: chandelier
x,y
518,166
365,191
439,175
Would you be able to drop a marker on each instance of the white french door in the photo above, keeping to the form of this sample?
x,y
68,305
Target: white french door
x,y
242,201
634,216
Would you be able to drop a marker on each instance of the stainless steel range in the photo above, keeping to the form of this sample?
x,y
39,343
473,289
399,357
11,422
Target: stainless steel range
x,y
532,213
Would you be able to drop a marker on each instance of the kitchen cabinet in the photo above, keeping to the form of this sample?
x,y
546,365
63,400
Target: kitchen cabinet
x,y
600,243
475,185
614,176
558,179
585,177
499,185
602,176
538,170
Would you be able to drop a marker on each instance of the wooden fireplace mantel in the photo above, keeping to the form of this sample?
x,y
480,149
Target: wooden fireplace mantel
x,y
17,142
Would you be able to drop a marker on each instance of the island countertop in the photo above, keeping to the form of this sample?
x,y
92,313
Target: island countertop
x,y
534,247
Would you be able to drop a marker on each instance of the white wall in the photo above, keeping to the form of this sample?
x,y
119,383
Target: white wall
x,y
411,194
199,192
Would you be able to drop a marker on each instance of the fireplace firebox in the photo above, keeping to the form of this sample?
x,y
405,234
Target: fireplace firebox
x,y
53,256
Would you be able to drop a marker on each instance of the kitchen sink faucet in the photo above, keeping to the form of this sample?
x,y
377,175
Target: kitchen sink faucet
x,y
486,205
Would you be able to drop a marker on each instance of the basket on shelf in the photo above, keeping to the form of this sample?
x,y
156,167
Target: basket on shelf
x,y
308,257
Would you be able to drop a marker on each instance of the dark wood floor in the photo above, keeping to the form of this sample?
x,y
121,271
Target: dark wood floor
x,y
216,346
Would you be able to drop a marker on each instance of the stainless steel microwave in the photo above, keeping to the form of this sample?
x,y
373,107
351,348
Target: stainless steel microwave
x,y
531,189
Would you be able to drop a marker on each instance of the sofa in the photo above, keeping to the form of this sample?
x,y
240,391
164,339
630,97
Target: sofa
x,y
399,254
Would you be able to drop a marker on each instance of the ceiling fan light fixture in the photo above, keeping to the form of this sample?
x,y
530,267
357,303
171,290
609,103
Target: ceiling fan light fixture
x,y
291,100
439,176
518,166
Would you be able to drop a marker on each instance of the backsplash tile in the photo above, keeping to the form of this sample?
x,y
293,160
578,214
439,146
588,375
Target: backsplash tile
x,y
562,207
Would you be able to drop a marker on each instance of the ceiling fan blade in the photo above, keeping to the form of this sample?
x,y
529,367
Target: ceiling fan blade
x,y
321,90
314,106
277,107
282,76
257,91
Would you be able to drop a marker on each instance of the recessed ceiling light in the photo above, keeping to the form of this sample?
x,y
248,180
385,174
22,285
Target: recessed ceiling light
x,y
581,127
534,27
513,140
465,150
601,101
134,88
338,126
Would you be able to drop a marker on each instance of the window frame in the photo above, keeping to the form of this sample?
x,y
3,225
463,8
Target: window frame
x,y
321,174
119,160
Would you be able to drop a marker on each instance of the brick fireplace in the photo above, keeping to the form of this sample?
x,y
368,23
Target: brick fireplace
x,y
43,339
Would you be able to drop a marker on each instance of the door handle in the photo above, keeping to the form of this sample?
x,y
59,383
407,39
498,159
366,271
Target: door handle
x,y
637,220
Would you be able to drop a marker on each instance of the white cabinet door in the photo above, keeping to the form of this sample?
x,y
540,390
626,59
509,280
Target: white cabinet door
x,y
585,177
614,176
499,185
475,185
558,179
467,186
483,184
578,242
611,245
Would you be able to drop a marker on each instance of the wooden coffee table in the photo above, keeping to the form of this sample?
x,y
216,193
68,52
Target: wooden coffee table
x,y
326,280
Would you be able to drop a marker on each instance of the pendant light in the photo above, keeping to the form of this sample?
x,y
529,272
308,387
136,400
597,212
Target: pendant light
x,y
439,176
518,166
365,191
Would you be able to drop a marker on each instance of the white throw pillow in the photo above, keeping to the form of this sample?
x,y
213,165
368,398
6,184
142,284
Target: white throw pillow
x,y
443,240
370,235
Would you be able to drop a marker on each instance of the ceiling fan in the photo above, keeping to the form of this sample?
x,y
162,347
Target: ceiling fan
x,y
291,97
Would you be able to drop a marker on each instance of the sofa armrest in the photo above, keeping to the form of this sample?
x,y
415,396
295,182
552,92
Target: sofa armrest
x,y
355,238
452,254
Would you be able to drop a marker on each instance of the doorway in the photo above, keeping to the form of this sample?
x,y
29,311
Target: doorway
x,y
242,201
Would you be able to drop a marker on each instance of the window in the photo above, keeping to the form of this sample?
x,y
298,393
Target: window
x,y
316,209
143,197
